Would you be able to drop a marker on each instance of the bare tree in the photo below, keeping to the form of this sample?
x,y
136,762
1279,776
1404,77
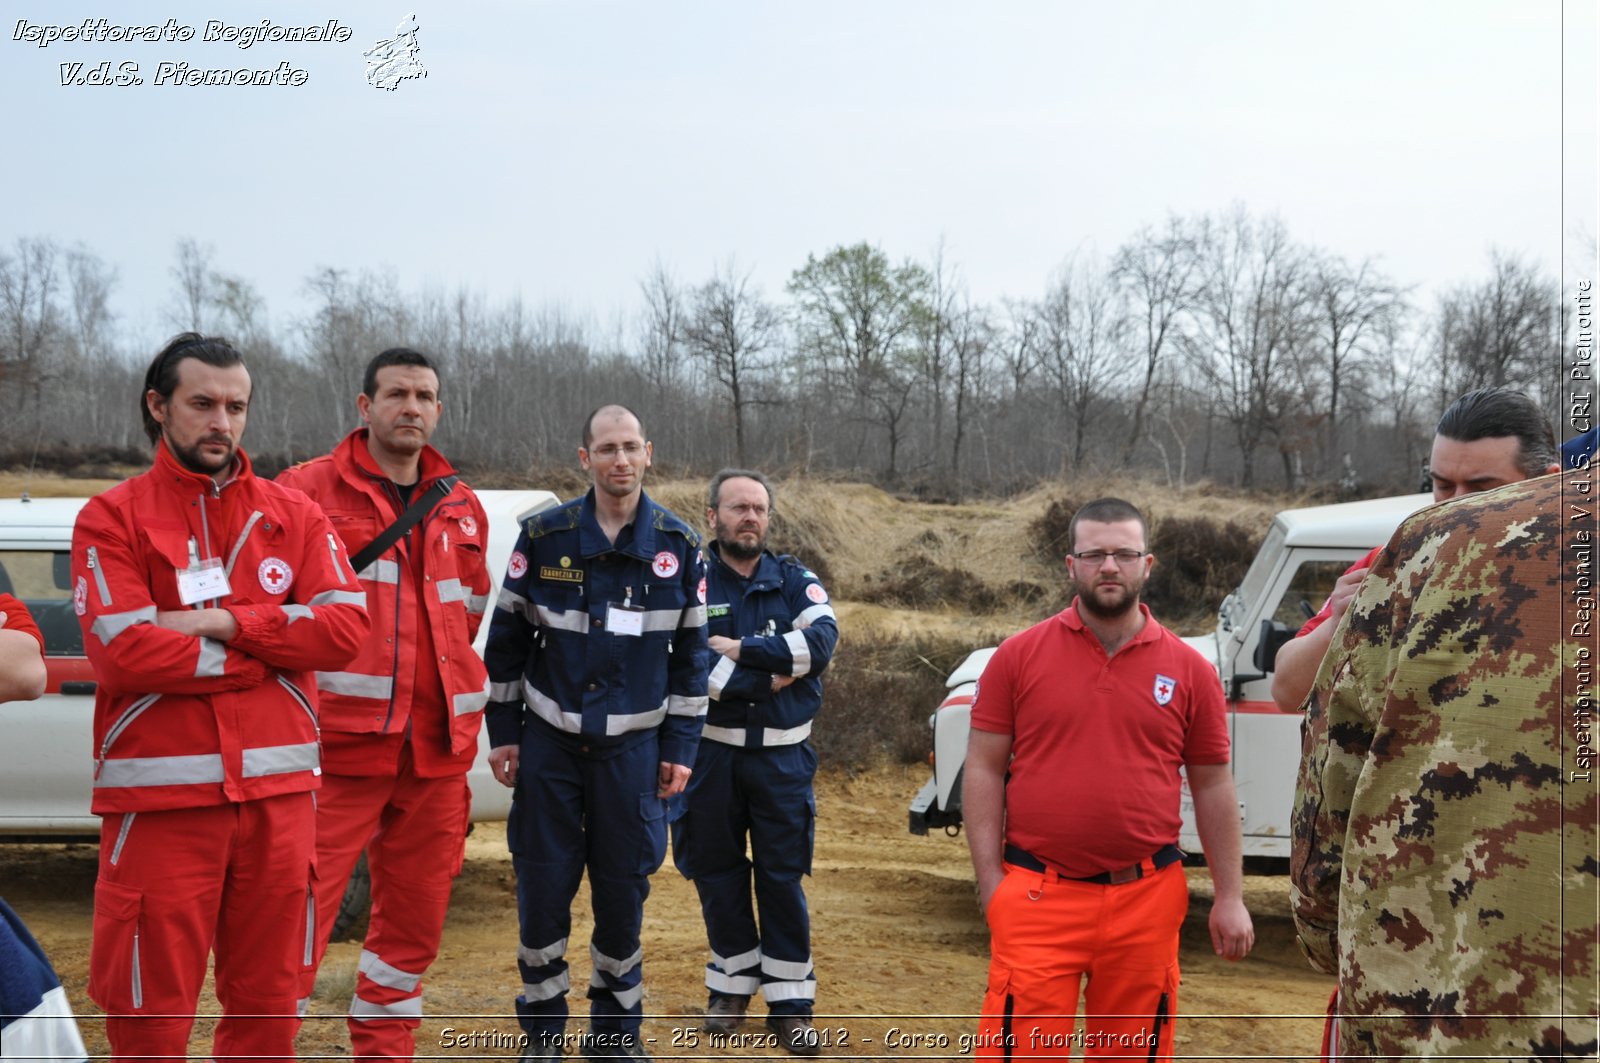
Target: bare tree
x,y
1503,331
1158,270
1354,312
193,273
1079,339
732,330
1251,319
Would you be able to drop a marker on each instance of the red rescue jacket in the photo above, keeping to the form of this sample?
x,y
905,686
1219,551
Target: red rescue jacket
x,y
180,721
434,576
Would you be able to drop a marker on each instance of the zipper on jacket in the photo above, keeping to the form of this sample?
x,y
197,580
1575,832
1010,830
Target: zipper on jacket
x,y
122,837
238,545
99,576
129,714
333,552
402,562
304,702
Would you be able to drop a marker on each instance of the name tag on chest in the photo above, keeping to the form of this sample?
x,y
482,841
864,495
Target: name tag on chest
x,y
203,580
624,619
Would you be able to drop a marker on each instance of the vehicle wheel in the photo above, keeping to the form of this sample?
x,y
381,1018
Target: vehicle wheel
x,y
350,924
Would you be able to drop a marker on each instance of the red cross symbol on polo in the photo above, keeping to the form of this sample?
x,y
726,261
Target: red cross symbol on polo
x,y
1165,685
665,565
274,575
469,527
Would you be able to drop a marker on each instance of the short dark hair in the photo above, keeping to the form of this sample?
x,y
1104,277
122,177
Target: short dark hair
x,y
1104,511
393,356
588,422
162,376
1493,413
714,496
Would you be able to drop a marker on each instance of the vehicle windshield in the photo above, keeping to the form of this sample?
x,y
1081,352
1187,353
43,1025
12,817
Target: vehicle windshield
x,y
42,580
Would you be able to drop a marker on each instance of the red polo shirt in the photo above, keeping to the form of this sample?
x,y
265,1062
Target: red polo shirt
x,y
1097,741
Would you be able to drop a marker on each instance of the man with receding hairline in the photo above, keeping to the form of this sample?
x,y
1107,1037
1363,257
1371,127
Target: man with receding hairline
x,y
597,663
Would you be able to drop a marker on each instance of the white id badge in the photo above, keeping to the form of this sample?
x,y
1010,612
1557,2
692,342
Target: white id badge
x,y
203,580
624,619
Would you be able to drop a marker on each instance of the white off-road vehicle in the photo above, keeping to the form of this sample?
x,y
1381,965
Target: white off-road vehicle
x,y
46,756
1305,552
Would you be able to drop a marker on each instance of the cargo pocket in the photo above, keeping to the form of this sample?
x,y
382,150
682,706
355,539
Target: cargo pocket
x,y
996,1037
653,844
114,976
811,829
1161,1023
678,825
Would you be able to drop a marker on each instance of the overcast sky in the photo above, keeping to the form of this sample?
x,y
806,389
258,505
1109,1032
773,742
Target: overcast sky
x,y
557,149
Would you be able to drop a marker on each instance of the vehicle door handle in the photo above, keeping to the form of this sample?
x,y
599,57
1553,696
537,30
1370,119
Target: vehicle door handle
x,y
78,687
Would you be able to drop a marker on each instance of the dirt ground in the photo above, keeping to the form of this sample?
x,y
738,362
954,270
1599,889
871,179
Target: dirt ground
x,y
899,946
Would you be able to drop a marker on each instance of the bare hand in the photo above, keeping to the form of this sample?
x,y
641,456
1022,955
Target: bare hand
x,y
1344,590
781,681
503,764
988,882
671,779
1232,933
727,647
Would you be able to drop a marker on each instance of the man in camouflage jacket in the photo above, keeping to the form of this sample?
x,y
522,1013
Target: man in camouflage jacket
x,y
1444,832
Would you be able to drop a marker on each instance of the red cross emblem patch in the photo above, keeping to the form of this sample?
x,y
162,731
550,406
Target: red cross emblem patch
x,y
518,565
469,527
274,575
665,565
1165,687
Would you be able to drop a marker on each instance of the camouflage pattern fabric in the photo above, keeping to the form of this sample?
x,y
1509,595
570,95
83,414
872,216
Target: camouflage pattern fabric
x,y
1444,860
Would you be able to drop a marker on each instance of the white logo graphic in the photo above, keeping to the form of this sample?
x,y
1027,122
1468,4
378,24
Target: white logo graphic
x,y
665,564
394,60
80,596
274,575
702,590
1164,688
518,565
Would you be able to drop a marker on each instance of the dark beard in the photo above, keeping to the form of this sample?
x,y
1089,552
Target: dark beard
x,y
1088,603
191,459
738,551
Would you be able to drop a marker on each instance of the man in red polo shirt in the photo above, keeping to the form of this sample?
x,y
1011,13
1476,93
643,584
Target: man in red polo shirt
x,y
1071,801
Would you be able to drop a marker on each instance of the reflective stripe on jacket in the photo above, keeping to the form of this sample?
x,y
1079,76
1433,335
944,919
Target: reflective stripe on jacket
x,y
374,692
549,648
181,721
785,626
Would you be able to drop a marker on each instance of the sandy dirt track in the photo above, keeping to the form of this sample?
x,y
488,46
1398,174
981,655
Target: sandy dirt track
x,y
900,950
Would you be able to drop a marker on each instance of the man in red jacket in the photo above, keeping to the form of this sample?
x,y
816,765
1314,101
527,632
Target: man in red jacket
x,y
400,722
207,598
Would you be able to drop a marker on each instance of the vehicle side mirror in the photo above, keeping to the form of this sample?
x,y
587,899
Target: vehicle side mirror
x,y
1273,638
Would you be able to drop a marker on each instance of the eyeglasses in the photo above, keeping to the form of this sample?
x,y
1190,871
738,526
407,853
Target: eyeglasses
x,y
1098,557
609,451
745,509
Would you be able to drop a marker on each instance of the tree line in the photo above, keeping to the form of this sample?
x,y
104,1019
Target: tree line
x,y
1211,346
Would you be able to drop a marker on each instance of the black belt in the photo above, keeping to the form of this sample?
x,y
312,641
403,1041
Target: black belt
x,y
1167,854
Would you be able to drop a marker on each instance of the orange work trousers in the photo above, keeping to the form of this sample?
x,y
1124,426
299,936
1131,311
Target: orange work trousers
x,y
1047,934
176,884
414,831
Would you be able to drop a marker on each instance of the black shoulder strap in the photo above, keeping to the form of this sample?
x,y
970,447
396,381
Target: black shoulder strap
x,y
404,523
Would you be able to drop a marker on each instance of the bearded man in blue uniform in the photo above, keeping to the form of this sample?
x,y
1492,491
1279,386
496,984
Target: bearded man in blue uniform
x,y
773,631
